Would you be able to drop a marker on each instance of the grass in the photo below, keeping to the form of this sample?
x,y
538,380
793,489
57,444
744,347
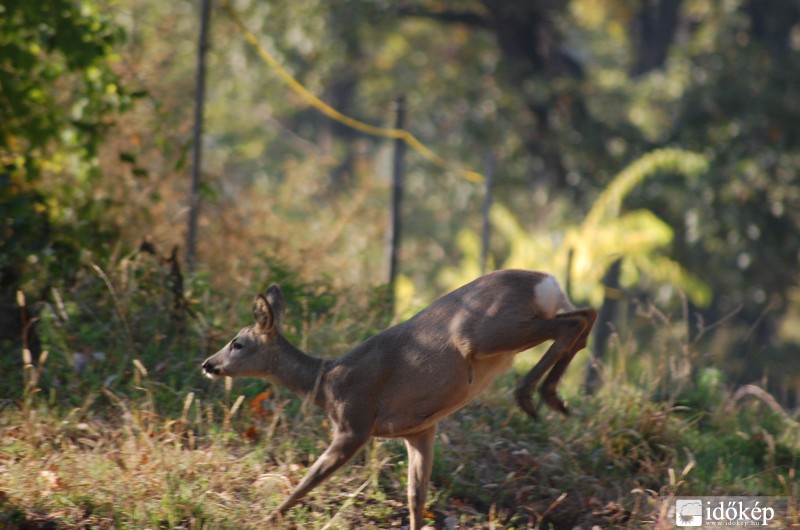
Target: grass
x,y
494,468
138,439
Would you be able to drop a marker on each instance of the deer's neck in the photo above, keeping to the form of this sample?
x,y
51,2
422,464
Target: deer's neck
x,y
299,372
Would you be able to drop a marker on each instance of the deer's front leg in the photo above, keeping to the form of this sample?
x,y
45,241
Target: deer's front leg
x,y
420,462
345,444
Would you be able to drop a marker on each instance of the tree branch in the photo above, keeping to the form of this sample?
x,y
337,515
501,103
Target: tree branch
x,y
468,18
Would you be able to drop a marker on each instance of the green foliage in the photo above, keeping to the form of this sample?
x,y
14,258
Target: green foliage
x,y
108,317
47,47
606,233
608,204
58,95
46,241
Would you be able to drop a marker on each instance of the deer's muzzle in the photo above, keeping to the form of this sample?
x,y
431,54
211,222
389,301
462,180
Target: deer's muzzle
x,y
211,369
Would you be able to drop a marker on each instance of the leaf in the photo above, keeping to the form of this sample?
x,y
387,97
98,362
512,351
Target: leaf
x,y
605,234
251,434
258,407
608,204
666,271
208,192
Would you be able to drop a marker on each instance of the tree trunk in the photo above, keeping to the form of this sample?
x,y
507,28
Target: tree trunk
x,y
604,326
197,136
652,32
398,170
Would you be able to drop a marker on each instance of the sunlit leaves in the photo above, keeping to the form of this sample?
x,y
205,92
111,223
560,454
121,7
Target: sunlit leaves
x,y
58,97
46,48
609,202
607,233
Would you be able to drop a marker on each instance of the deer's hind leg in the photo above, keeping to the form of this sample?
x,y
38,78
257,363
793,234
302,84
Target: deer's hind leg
x,y
548,388
420,463
568,331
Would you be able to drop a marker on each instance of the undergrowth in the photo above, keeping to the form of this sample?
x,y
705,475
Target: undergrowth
x,y
111,424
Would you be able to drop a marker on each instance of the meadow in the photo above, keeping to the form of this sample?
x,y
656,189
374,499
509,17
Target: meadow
x,y
115,426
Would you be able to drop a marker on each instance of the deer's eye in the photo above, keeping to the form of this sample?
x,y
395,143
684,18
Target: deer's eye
x,y
237,346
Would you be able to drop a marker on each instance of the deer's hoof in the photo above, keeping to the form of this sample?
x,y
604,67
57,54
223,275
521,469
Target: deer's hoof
x,y
554,402
526,404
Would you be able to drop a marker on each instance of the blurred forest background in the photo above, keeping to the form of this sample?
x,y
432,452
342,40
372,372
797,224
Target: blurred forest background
x,y
653,145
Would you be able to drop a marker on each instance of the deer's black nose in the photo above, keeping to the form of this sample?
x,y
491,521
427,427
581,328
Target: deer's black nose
x,y
210,369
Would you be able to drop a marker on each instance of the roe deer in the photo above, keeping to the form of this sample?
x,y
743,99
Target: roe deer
x,y
403,381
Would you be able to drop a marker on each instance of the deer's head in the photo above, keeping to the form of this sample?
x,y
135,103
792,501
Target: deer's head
x,y
253,350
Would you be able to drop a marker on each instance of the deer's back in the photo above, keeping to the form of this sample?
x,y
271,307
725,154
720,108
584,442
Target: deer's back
x,y
419,371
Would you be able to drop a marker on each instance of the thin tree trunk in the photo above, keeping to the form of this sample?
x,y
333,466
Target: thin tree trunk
x,y
197,136
603,328
487,205
395,226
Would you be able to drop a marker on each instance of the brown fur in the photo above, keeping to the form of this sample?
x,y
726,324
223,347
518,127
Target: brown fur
x,y
403,381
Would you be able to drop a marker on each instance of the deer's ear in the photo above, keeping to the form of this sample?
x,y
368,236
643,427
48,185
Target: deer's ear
x,y
265,318
269,310
275,299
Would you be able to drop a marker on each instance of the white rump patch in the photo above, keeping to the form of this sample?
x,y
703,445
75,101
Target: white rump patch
x,y
550,299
